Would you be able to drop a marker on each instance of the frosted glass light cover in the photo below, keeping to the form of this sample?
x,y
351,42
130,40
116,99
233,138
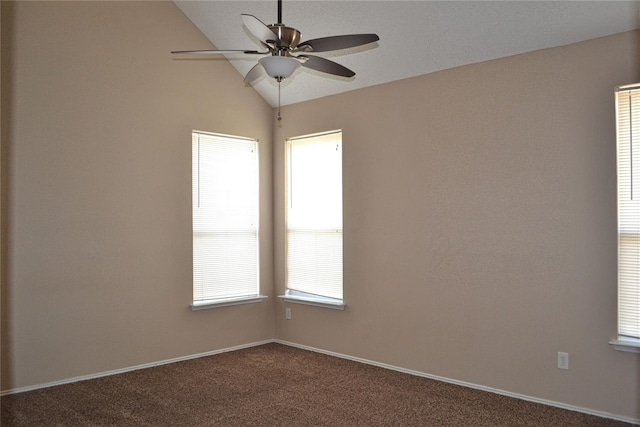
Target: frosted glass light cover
x,y
279,66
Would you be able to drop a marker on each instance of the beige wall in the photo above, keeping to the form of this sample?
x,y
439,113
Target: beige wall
x,y
479,208
98,158
480,224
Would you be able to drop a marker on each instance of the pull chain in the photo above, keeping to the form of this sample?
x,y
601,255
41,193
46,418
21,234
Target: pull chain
x,y
279,117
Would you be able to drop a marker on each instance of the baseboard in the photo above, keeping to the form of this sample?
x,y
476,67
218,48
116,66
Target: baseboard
x,y
330,353
131,368
466,384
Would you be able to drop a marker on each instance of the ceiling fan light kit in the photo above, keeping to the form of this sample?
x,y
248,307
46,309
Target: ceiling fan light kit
x,y
286,51
279,67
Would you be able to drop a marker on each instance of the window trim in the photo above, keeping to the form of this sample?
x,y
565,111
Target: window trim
x,y
302,296
630,345
305,298
622,342
248,298
226,302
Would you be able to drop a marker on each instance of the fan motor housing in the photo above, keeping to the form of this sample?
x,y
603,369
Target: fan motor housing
x,y
289,37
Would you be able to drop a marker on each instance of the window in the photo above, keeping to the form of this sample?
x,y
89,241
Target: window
x,y
225,220
628,139
314,220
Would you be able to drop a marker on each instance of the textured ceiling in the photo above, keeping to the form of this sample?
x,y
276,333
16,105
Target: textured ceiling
x,y
416,37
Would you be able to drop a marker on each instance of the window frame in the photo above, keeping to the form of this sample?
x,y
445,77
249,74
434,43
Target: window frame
x,y
296,295
627,121
198,223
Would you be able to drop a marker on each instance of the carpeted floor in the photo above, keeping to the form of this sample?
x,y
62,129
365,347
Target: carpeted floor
x,y
275,385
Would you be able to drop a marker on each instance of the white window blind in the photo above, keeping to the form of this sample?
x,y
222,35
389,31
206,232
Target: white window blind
x,y
628,137
314,215
225,217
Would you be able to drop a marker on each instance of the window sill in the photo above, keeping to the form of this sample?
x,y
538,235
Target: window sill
x,y
215,303
314,300
626,344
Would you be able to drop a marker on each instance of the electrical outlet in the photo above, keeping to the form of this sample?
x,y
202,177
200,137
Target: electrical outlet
x,y
287,313
563,360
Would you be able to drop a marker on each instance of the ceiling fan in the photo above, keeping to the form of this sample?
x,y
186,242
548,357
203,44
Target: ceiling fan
x,y
286,52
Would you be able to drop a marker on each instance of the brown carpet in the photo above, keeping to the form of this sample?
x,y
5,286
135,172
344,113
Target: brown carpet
x,y
275,385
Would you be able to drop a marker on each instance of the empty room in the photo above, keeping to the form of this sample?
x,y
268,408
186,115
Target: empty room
x,y
433,190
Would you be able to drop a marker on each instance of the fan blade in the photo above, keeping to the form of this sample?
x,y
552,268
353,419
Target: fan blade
x,y
259,29
326,66
326,44
219,52
254,73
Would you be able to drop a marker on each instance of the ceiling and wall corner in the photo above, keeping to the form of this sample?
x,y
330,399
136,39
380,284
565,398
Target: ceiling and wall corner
x,y
416,37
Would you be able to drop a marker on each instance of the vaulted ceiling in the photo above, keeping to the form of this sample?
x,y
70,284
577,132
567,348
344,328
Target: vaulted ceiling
x,y
416,37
